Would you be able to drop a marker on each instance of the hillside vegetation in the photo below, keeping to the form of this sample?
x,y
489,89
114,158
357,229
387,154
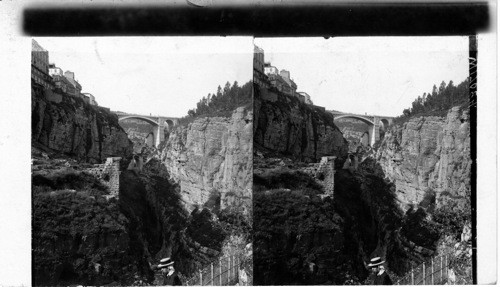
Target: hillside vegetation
x,y
222,103
438,102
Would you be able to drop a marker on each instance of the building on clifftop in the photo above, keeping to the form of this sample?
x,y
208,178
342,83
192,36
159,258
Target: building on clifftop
x,y
40,66
77,88
54,70
306,97
259,77
63,84
91,99
292,87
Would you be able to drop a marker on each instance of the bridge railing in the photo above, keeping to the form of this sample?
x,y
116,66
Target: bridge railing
x,y
221,272
431,272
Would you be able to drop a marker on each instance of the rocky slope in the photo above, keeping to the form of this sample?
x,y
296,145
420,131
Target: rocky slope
x,y
285,125
212,157
82,237
301,237
72,127
429,155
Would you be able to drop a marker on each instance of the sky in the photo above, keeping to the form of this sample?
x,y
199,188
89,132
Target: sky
x,y
164,76
373,75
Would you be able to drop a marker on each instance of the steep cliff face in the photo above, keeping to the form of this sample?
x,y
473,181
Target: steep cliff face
x,y
429,154
75,128
213,156
284,124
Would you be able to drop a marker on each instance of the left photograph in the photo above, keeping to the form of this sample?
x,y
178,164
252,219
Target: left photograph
x,y
141,161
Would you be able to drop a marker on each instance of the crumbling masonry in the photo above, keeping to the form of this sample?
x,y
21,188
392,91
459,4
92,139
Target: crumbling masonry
x,y
109,174
327,169
324,173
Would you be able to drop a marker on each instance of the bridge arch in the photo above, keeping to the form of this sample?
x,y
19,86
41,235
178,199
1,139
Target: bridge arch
x,y
385,123
148,120
373,128
158,132
363,119
169,124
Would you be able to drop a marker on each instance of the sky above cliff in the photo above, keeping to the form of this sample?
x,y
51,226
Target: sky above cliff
x,y
152,75
373,75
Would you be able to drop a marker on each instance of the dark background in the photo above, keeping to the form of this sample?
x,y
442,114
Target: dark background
x,y
269,21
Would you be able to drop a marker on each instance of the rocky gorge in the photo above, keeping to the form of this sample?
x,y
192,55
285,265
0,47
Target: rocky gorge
x,y
194,212
402,203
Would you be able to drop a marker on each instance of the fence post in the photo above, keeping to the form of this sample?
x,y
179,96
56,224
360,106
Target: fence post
x,y
446,265
441,267
212,273
201,278
423,274
220,272
238,268
432,270
229,268
412,277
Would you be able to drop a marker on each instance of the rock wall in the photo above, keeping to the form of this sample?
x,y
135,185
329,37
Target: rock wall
x,y
77,129
283,124
429,154
212,155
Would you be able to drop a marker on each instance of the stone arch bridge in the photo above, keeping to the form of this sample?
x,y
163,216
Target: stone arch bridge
x,y
160,123
373,121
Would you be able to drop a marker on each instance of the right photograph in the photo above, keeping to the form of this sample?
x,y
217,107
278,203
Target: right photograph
x,y
362,161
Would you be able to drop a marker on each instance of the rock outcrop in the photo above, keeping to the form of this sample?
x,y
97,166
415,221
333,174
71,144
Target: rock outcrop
x,y
283,124
213,156
72,127
429,154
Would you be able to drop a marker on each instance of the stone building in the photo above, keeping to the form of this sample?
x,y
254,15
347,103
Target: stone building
x,y
54,70
40,66
259,77
278,83
91,99
268,76
280,80
268,69
292,87
77,88
63,84
306,97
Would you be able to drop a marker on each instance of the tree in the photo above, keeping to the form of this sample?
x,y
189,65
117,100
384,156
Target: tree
x,y
439,101
406,112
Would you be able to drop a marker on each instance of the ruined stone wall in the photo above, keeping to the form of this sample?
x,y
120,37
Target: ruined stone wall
x,y
108,173
327,168
324,173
